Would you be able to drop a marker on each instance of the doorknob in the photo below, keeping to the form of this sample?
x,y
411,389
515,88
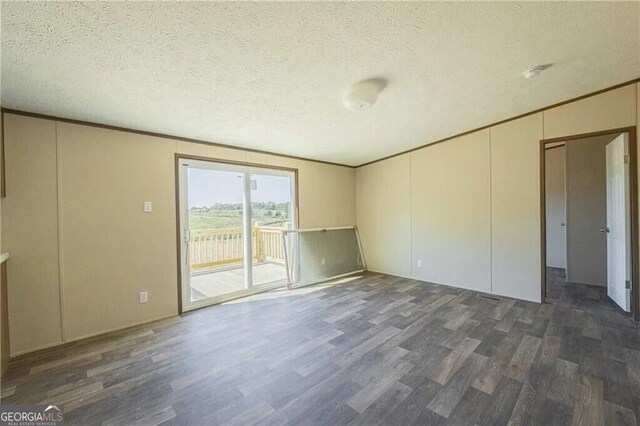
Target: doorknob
x,y
607,230
563,224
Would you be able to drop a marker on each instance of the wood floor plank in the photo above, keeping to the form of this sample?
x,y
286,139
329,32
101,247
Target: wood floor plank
x,y
88,358
70,395
378,411
376,388
564,382
286,387
550,346
450,365
7,391
470,406
502,404
489,379
617,415
509,319
592,327
410,408
520,364
254,414
523,406
455,323
357,352
550,412
501,310
451,394
633,370
158,418
426,363
301,350
588,407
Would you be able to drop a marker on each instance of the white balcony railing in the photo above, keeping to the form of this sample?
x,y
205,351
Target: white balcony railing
x,y
211,248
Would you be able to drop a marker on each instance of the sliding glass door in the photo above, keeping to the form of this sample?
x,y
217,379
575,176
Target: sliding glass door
x,y
231,222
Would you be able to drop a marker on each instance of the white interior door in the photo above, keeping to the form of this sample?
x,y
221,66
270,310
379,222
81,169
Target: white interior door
x,y
618,243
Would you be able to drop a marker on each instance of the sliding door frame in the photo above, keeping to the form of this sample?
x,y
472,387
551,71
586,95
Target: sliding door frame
x,y
633,199
182,157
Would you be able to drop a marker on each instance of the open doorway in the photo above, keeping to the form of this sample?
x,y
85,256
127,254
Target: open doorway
x,y
589,197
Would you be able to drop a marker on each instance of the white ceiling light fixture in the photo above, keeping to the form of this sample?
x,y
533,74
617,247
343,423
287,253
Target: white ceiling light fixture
x,y
532,73
363,95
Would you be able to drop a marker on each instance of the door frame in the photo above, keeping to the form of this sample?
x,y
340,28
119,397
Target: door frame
x,y
177,158
633,197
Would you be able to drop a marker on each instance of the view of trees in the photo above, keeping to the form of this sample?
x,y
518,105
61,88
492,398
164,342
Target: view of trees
x,y
229,215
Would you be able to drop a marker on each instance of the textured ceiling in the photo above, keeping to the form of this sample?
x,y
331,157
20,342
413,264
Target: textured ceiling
x,y
270,76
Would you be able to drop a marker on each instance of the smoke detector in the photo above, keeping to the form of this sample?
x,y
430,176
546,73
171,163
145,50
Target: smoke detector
x,y
532,73
361,96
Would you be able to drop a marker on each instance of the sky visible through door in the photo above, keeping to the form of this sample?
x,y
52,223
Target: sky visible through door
x,y
215,199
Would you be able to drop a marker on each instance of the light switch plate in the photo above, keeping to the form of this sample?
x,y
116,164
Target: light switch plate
x,y
147,207
143,297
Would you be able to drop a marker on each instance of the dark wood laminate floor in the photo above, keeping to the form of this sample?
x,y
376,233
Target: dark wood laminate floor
x,y
375,350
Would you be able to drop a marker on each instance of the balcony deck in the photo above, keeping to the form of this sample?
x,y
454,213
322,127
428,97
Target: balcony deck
x,y
222,281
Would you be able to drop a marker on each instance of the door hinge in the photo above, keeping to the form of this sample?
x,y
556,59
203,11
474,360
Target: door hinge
x,y
626,159
627,285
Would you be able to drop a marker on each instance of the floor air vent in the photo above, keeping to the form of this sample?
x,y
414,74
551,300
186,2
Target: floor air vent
x,y
497,299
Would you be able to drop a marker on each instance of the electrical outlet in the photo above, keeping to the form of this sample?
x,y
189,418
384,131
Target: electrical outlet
x,y
147,207
419,263
143,297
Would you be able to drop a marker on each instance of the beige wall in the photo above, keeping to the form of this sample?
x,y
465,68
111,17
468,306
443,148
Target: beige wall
x,y
609,110
109,249
513,256
383,192
586,184
555,207
30,233
450,212
81,246
4,306
515,208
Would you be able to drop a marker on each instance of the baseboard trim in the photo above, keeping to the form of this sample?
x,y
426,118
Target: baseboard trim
x,y
583,283
105,333
457,286
390,274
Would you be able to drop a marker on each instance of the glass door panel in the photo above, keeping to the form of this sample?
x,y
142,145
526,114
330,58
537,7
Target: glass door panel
x,y
213,235
272,211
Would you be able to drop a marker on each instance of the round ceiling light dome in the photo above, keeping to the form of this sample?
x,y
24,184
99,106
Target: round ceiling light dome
x,y
359,100
363,95
532,73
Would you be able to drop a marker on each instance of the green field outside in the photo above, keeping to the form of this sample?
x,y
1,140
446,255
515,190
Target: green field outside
x,y
230,215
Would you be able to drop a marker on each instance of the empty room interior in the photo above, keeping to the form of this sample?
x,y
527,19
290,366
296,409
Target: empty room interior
x,y
320,213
